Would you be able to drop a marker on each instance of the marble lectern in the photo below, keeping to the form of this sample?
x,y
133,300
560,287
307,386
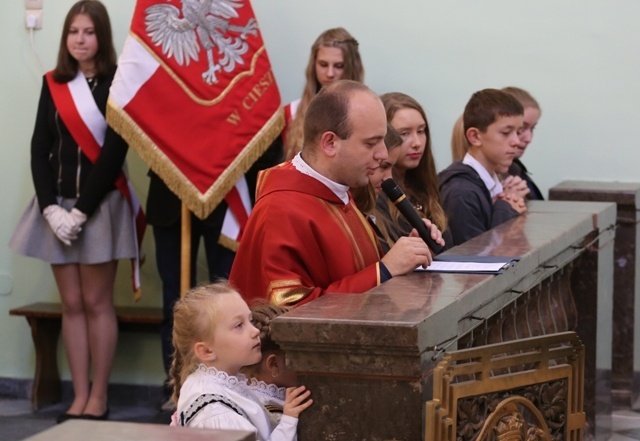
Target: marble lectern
x,y
368,358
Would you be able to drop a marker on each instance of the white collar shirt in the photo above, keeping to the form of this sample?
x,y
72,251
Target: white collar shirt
x,y
341,191
491,181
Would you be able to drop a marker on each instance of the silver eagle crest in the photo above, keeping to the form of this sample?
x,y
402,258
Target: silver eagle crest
x,y
203,20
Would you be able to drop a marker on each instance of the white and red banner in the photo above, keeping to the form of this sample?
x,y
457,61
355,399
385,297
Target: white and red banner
x,y
195,96
87,126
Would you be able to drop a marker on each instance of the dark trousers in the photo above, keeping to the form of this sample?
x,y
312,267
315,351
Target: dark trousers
x,y
167,239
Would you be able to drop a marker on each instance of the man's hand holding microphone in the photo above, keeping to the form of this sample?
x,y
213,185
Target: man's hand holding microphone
x,y
424,241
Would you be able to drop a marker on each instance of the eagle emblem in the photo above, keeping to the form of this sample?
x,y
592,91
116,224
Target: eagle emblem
x,y
178,32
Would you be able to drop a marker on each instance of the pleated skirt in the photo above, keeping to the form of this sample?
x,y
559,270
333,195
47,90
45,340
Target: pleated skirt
x,y
108,235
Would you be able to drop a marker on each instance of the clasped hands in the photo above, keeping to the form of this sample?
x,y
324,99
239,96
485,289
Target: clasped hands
x,y
66,225
515,191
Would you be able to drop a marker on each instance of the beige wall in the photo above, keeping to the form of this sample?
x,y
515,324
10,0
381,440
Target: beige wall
x,y
580,60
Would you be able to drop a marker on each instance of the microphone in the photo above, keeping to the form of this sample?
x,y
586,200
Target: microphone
x,y
397,196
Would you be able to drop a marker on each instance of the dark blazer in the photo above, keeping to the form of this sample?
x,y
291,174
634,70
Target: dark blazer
x,y
468,203
57,162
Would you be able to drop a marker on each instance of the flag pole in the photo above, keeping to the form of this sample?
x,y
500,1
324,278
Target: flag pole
x,y
185,251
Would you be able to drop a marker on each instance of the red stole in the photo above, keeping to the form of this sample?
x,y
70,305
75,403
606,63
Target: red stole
x,y
88,127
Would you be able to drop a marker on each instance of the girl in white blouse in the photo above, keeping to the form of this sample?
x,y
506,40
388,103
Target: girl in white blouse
x,y
214,338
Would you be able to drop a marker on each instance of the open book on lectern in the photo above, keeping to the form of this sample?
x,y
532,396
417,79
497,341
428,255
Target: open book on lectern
x,y
471,264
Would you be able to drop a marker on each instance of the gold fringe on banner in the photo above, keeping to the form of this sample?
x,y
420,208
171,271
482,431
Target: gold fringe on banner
x,y
243,162
200,204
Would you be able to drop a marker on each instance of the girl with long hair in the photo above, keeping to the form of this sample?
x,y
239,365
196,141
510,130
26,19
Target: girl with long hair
x,y
334,56
78,221
414,170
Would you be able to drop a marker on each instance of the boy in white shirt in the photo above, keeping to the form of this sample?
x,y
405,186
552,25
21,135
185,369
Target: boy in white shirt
x,y
473,197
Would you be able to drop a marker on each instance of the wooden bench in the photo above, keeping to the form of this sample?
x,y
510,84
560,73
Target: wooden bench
x,y
45,320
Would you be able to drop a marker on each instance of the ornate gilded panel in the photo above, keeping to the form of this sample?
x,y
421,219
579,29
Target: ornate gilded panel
x,y
528,389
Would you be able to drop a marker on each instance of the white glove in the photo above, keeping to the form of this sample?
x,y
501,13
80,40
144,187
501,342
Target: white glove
x,y
79,218
61,223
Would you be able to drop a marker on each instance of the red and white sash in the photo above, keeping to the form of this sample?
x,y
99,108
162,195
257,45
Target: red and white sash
x,y
87,125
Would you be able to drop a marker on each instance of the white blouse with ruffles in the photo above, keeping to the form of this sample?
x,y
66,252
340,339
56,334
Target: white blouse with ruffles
x,y
209,380
270,395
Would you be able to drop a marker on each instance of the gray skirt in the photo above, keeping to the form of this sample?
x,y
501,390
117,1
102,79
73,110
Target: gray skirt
x,y
108,235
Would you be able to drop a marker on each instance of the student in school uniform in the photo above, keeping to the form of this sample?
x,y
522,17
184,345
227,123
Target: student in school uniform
x,y
473,197
532,114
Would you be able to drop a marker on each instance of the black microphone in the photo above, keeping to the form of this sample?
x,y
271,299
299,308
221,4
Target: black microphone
x,y
397,196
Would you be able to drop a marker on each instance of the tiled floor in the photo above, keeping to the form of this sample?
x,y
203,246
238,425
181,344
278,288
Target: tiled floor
x,y
18,422
626,425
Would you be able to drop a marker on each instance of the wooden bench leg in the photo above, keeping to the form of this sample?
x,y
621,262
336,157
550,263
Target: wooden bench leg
x,y
46,381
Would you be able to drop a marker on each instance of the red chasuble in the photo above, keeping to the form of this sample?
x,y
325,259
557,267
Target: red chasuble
x,y
302,241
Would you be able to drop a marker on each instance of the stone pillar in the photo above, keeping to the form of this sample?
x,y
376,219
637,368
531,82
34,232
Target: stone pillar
x,y
625,367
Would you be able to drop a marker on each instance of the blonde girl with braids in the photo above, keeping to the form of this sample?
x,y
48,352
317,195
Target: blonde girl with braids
x,y
334,56
414,170
213,339
270,377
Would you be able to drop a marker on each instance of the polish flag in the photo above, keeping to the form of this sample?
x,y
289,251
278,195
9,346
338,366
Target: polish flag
x,y
195,96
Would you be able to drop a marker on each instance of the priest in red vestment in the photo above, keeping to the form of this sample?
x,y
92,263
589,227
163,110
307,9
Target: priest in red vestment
x,y
305,236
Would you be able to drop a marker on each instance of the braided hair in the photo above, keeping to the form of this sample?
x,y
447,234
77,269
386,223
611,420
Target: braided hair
x,y
262,316
194,319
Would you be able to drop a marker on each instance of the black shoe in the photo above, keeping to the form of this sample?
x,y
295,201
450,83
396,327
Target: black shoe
x,y
67,416
88,416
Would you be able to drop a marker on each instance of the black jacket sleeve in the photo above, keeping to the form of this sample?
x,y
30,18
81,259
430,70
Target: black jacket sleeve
x,y
41,143
502,212
466,217
104,173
